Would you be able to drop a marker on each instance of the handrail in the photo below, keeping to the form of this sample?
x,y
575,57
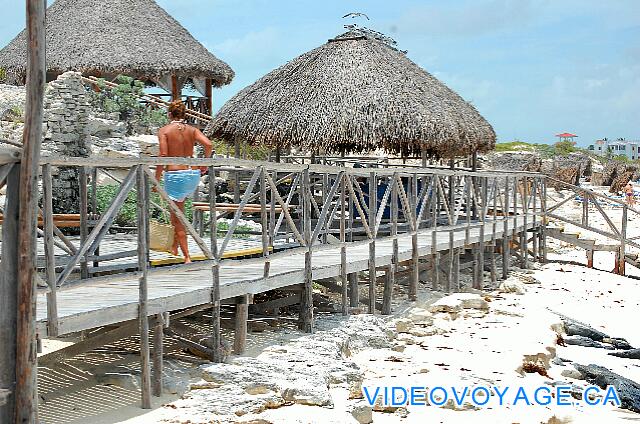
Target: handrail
x,y
151,99
251,164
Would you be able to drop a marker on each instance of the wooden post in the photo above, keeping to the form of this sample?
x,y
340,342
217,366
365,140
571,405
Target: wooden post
x,y
543,236
505,231
26,403
306,305
236,174
393,268
435,259
264,222
343,249
240,334
496,192
388,289
215,270
143,266
175,88
8,294
94,205
208,84
623,239
84,229
50,258
415,259
158,364
373,208
534,239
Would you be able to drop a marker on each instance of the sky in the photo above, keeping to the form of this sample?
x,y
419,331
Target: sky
x,y
532,68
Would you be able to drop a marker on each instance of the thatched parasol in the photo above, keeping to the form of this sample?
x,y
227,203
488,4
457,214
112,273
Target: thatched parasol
x,y
132,37
355,93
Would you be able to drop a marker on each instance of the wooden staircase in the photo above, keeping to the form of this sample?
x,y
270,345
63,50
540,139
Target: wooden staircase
x,y
591,246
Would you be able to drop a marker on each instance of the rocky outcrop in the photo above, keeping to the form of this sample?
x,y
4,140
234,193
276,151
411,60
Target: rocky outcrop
x,y
12,101
302,371
515,161
628,390
567,169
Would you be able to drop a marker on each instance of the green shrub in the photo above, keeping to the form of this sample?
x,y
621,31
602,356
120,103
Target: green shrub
x,y
125,100
126,217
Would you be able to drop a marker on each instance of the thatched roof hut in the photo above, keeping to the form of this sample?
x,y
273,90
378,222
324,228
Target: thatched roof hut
x,y
355,93
133,37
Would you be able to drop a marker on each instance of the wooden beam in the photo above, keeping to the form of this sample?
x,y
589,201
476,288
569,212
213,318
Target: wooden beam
x,y
143,289
8,294
26,403
208,85
240,334
175,88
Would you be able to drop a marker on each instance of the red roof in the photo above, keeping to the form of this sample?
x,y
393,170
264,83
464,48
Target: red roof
x,y
566,135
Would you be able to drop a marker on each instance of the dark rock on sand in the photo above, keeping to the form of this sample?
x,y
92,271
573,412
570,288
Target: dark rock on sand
x,y
629,354
586,342
628,390
574,328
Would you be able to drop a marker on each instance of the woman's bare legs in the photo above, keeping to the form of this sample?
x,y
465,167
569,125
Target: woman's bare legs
x,y
179,235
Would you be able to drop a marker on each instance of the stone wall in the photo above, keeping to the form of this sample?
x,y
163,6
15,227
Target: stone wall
x,y
66,114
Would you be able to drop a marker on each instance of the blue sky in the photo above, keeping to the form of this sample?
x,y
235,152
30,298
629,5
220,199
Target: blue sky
x,y
533,68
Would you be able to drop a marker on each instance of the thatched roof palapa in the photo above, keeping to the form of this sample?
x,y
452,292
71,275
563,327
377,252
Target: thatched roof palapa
x,y
355,93
132,37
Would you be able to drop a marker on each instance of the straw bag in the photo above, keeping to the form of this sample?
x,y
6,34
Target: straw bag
x,y
160,235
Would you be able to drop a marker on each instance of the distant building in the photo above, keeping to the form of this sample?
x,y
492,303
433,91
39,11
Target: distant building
x,y
619,147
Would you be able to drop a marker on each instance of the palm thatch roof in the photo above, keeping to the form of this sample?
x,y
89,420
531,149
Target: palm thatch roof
x,y
355,93
132,37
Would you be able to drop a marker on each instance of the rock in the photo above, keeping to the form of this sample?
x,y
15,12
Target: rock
x,y
586,342
404,325
125,381
629,354
456,302
618,343
512,286
362,413
104,128
572,373
420,316
303,371
424,331
574,328
628,390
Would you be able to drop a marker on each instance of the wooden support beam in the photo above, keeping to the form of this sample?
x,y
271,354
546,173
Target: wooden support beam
x,y
264,307
208,85
240,334
84,226
388,289
216,335
373,200
50,258
143,289
8,295
158,364
306,305
125,330
176,92
415,258
343,240
26,404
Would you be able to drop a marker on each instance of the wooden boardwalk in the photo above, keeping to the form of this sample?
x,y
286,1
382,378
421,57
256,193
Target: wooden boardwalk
x,y
111,300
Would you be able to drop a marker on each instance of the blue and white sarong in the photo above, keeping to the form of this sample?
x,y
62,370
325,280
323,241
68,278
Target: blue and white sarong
x,y
181,184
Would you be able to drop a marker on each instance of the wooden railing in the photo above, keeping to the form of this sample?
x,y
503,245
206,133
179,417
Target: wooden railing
x,y
352,205
615,229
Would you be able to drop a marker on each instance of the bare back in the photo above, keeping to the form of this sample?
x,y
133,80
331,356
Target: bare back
x,y
178,140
